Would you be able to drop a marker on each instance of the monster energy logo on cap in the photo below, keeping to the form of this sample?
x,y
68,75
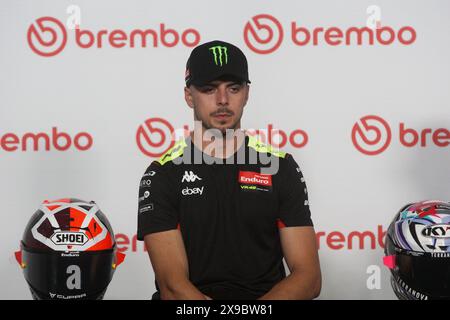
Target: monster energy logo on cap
x,y
214,60
220,55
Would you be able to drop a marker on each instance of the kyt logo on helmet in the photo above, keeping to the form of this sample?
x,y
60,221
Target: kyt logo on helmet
x,y
68,251
418,251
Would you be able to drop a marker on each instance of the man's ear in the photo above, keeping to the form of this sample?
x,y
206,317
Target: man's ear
x,y
188,97
247,95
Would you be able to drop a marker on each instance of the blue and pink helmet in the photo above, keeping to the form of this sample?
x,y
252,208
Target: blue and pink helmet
x,y
417,251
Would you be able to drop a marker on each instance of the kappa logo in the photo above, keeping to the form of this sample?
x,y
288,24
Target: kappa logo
x,y
190,177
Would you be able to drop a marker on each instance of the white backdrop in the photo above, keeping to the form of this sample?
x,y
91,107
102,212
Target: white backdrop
x,y
325,90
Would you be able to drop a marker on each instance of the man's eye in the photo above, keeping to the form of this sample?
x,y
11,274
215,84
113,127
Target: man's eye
x,y
207,89
235,89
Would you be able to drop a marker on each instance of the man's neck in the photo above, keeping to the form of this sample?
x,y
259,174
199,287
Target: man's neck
x,y
218,146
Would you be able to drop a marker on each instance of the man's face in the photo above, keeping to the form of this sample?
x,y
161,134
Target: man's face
x,y
219,104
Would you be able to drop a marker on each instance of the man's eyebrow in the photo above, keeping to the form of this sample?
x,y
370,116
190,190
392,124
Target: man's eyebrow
x,y
216,84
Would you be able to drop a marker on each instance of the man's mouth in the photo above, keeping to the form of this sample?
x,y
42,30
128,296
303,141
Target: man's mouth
x,y
222,116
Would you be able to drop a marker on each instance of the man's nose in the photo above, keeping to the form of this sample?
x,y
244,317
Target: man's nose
x,y
222,96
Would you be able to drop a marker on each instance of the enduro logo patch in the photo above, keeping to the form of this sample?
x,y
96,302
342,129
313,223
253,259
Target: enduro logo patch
x,y
254,181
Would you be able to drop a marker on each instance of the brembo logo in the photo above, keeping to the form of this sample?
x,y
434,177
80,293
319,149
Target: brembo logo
x,y
279,138
48,36
336,240
372,135
57,140
264,34
157,135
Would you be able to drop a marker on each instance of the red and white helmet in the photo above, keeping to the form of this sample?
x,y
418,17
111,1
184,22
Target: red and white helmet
x,y
68,251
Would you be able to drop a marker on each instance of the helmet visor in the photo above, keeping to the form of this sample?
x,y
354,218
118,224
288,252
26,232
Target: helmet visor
x,y
426,274
70,275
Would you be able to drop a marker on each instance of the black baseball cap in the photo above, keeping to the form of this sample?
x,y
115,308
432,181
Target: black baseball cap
x,y
213,60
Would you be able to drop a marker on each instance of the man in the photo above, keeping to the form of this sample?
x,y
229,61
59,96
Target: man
x,y
219,228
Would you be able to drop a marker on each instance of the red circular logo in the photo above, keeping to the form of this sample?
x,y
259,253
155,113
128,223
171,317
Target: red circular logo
x,y
265,36
155,137
48,38
372,135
